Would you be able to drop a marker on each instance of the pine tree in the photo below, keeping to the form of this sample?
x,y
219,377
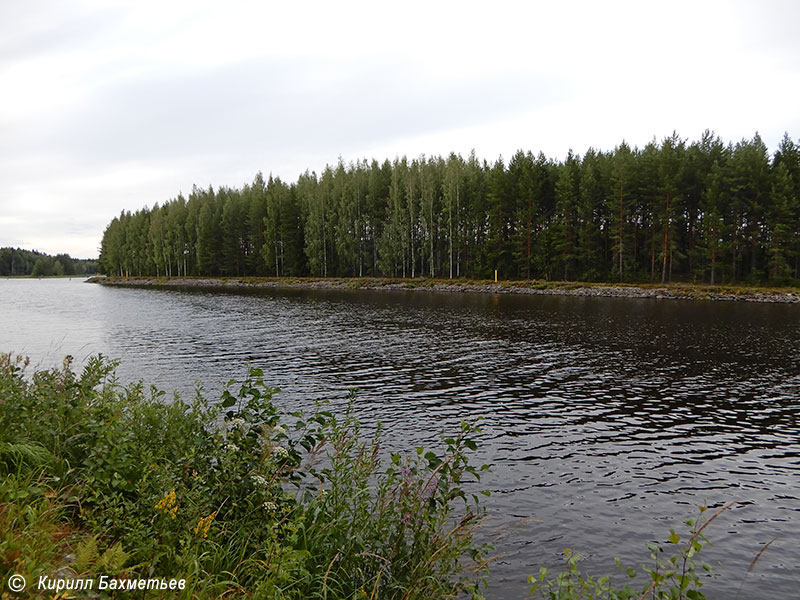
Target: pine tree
x,y
783,219
566,219
714,228
208,236
619,203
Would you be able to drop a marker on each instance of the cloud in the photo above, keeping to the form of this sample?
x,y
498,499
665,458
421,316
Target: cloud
x,y
113,104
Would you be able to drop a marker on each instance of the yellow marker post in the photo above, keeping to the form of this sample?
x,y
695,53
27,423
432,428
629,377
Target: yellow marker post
x,y
495,275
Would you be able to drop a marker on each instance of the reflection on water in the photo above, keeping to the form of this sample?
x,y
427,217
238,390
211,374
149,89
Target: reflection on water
x,y
606,420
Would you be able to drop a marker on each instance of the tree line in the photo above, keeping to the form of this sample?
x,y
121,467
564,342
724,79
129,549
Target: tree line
x,y
16,261
705,211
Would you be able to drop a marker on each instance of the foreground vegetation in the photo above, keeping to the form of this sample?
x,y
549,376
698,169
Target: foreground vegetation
x,y
705,211
235,498
242,501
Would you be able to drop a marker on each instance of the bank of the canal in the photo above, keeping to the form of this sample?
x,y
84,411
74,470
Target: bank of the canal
x,y
675,291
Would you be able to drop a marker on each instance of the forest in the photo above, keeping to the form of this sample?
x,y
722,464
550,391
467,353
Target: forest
x,y
16,261
702,211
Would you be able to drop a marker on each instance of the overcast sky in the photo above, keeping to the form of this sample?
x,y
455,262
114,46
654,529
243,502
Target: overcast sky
x,y
109,105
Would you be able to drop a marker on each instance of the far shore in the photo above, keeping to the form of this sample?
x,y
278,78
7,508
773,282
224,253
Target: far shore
x,y
673,291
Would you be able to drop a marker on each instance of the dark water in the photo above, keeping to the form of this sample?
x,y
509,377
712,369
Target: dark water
x,y
606,420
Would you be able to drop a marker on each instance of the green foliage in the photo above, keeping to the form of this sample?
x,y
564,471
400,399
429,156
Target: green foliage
x,y
34,537
672,210
402,531
235,497
23,457
673,573
17,262
90,561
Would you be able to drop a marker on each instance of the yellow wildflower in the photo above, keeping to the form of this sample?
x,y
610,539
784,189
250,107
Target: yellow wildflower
x,y
168,504
204,524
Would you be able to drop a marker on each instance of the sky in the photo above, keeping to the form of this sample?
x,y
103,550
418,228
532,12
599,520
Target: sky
x,y
110,105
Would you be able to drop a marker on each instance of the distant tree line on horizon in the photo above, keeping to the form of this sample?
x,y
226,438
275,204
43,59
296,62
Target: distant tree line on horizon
x,y
704,211
19,262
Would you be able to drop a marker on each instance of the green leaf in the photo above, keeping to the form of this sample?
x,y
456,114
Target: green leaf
x,y
674,538
227,399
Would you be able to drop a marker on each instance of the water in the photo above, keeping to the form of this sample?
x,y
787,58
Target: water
x,y
607,420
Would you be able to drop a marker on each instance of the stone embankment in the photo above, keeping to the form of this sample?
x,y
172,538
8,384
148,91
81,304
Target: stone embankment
x,y
670,292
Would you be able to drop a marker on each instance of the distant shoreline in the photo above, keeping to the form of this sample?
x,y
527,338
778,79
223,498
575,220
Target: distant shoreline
x,y
673,291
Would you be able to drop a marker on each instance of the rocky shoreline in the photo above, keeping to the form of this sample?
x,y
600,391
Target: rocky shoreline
x,y
669,292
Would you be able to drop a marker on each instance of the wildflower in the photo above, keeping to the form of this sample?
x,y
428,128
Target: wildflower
x,y
259,481
231,447
204,524
270,506
432,486
168,504
236,422
279,429
280,452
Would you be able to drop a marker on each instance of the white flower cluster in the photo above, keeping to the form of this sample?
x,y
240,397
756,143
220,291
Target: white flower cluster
x,y
270,506
237,422
231,447
280,452
259,481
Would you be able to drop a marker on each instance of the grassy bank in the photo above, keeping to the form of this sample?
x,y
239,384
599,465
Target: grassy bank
x,y
238,500
675,291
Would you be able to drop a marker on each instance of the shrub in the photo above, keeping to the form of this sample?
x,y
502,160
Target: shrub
x,y
672,575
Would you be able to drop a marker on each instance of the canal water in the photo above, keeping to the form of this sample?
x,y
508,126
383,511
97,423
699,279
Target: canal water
x,y
606,420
